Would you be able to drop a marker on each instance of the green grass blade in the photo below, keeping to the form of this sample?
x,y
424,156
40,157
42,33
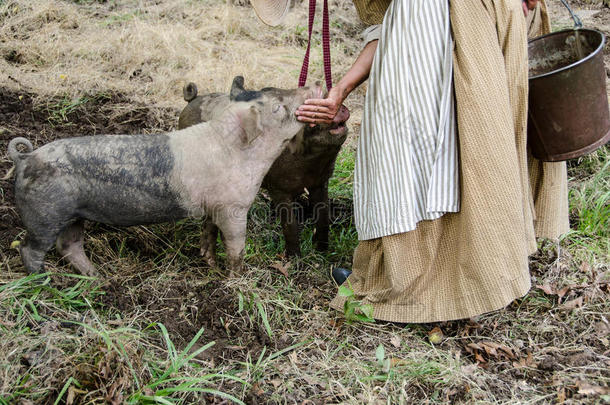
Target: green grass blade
x,y
263,313
63,390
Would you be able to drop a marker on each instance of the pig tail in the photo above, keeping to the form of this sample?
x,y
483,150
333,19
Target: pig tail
x,y
12,148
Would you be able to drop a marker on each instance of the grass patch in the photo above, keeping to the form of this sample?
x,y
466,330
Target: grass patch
x,y
67,350
60,112
590,204
340,185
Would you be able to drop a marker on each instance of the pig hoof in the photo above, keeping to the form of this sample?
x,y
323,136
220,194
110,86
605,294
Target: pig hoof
x,y
235,274
92,273
236,271
209,257
211,262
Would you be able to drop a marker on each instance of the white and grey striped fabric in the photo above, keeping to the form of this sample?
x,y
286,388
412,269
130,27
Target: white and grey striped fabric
x,y
407,160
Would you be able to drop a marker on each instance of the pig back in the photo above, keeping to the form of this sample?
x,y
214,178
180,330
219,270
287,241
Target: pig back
x,y
202,109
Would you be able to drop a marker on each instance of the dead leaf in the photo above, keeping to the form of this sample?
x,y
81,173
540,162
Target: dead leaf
x,y
561,293
603,278
585,267
336,324
395,341
490,348
480,358
573,304
585,388
257,390
508,351
471,325
395,361
548,289
311,381
281,267
469,369
523,362
473,347
293,358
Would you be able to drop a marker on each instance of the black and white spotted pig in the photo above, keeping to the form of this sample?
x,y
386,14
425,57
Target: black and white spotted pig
x,y
213,169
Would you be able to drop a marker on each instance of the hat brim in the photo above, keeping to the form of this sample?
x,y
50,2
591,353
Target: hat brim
x,y
271,12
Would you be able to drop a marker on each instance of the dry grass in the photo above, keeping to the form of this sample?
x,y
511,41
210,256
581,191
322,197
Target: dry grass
x,y
141,333
151,49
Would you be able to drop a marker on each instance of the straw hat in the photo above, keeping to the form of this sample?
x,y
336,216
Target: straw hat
x,y
271,12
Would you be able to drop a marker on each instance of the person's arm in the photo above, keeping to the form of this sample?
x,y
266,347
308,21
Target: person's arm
x,y
323,110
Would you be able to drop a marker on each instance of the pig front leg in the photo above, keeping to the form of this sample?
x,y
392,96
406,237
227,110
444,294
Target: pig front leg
x,y
209,235
319,200
232,224
285,207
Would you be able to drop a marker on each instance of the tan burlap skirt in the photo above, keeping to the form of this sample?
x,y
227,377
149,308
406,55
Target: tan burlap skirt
x,y
474,261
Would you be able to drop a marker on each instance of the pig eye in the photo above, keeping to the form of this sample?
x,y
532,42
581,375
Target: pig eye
x,y
277,108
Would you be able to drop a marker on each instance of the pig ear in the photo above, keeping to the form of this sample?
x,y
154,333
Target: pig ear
x,y
237,87
250,125
189,92
296,146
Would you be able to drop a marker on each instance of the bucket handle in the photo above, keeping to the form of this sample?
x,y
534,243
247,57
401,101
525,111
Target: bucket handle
x,y
576,18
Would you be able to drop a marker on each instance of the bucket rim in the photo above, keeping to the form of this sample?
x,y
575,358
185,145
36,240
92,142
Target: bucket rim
x,y
590,56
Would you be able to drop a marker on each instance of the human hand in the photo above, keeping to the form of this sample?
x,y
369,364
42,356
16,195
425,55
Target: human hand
x,y
529,5
321,110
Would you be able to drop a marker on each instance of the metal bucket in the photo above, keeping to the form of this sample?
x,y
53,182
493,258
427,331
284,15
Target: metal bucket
x,y
568,103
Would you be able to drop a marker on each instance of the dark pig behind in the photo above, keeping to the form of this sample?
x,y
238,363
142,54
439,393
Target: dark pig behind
x,y
309,166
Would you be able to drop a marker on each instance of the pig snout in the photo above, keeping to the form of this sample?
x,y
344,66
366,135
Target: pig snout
x,y
337,129
338,126
342,115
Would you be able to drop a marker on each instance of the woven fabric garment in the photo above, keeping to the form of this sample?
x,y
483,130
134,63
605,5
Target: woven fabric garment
x,y
371,12
538,21
406,164
475,261
549,180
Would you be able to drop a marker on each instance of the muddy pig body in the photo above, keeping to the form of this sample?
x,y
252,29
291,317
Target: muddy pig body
x,y
308,167
213,169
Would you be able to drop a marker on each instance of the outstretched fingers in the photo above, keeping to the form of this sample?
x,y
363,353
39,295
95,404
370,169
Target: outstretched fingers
x,y
322,112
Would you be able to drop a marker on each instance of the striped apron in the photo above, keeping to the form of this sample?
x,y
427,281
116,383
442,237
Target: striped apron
x,y
407,160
